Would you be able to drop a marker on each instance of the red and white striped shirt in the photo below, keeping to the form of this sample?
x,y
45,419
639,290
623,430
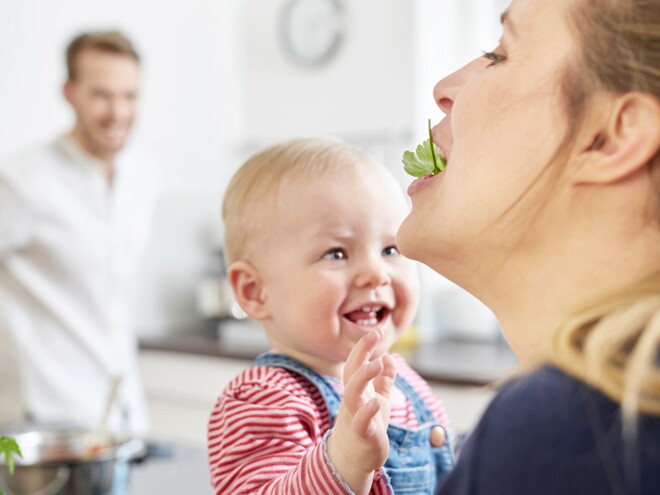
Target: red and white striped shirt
x,y
266,434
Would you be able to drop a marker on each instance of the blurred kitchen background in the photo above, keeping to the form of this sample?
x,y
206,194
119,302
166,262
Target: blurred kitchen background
x,y
219,83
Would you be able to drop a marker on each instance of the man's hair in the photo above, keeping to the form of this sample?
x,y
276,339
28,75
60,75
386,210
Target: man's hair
x,y
251,194
107,41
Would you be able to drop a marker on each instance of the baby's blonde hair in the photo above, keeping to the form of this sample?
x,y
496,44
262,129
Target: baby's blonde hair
x,y
251,193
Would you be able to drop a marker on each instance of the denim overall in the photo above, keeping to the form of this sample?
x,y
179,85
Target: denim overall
x,y
413,467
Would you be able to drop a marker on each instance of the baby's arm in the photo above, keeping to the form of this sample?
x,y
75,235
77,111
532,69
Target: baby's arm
x,y
265,438
358,445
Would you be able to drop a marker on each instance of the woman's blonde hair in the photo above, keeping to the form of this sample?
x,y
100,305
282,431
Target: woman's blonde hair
x,y
614,345
250,196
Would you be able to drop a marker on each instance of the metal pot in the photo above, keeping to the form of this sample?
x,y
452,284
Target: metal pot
x,y
60,460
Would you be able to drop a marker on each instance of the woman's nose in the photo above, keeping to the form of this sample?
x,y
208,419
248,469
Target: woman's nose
x,y
446,90
443,94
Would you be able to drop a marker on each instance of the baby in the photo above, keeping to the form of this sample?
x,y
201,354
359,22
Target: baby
x,y
310,229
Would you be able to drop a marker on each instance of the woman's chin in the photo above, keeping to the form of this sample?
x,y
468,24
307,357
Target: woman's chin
x,y
409,238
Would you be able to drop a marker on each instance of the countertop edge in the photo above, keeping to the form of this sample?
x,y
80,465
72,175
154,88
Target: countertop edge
x,y
436,362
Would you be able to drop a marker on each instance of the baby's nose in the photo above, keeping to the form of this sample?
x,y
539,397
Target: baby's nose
x,y
437,436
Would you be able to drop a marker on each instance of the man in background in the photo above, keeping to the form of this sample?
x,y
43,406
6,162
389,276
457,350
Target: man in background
x,y
74,215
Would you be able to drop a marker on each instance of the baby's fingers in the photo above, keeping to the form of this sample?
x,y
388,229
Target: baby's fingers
x,y
354,393
363,421
361,353
384,381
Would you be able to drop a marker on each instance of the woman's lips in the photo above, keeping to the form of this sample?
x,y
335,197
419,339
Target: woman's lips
x,y
422,182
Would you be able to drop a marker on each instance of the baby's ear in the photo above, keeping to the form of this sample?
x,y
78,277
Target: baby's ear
x,y
623,141
246,285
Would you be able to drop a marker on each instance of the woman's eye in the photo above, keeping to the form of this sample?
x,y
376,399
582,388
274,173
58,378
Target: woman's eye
x,y
494,58
335,254
390,251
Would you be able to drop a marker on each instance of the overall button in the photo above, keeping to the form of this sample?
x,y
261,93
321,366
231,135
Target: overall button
x,y
438,436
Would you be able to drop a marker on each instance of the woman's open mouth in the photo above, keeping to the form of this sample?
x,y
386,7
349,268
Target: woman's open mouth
x,y
369,315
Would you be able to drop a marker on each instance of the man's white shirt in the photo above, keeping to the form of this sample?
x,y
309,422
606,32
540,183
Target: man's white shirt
x,y
70,245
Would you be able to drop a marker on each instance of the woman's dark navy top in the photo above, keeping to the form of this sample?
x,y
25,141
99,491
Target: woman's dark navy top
x,y
547,433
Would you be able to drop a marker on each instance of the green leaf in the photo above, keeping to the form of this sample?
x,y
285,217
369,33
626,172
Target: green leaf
x,y
9,448
415,165
425,160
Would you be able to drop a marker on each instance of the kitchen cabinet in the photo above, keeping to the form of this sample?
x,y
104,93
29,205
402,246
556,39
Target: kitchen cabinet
x,y
181,389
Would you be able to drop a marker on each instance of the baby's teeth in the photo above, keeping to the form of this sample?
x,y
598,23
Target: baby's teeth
x,y
370,321
369,309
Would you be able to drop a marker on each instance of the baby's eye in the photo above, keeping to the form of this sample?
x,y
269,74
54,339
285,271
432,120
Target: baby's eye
x,y
390,251
335,254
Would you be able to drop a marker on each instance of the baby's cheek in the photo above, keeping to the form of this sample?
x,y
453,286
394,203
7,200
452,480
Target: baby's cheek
x,y
400,323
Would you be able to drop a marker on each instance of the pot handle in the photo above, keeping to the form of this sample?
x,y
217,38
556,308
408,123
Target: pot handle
x,y
53,487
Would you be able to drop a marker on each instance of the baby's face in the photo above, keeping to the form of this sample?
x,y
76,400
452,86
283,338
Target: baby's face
x,y
331,271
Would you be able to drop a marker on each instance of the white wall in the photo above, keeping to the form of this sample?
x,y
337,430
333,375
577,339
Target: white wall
x,y
188,48
189,111
217,86
449,33
365,90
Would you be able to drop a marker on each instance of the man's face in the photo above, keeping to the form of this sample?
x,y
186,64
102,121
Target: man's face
x,y
104,96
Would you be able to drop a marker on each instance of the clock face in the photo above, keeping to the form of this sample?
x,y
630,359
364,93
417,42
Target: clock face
x,y
311,30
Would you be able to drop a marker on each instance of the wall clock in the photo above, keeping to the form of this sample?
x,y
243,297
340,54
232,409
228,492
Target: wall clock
x,y
311,30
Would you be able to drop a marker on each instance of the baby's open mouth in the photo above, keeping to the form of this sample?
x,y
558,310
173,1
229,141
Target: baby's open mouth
x,y
368,315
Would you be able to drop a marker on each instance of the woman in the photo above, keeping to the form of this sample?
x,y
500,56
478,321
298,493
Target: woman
x,y
549,212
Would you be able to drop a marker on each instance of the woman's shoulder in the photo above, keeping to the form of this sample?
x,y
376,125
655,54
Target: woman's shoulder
x,y
549,430
548,405
540,388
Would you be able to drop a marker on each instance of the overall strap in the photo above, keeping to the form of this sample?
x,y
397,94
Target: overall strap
x,y
328,392
422,410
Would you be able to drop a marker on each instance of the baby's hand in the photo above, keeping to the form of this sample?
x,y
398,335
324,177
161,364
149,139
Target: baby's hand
x,y
358,444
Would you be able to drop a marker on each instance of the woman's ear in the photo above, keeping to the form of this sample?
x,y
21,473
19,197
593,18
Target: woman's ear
x,y
247,287
624,142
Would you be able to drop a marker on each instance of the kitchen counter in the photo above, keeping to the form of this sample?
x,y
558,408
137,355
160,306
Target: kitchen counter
x,y
447,362
176,470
